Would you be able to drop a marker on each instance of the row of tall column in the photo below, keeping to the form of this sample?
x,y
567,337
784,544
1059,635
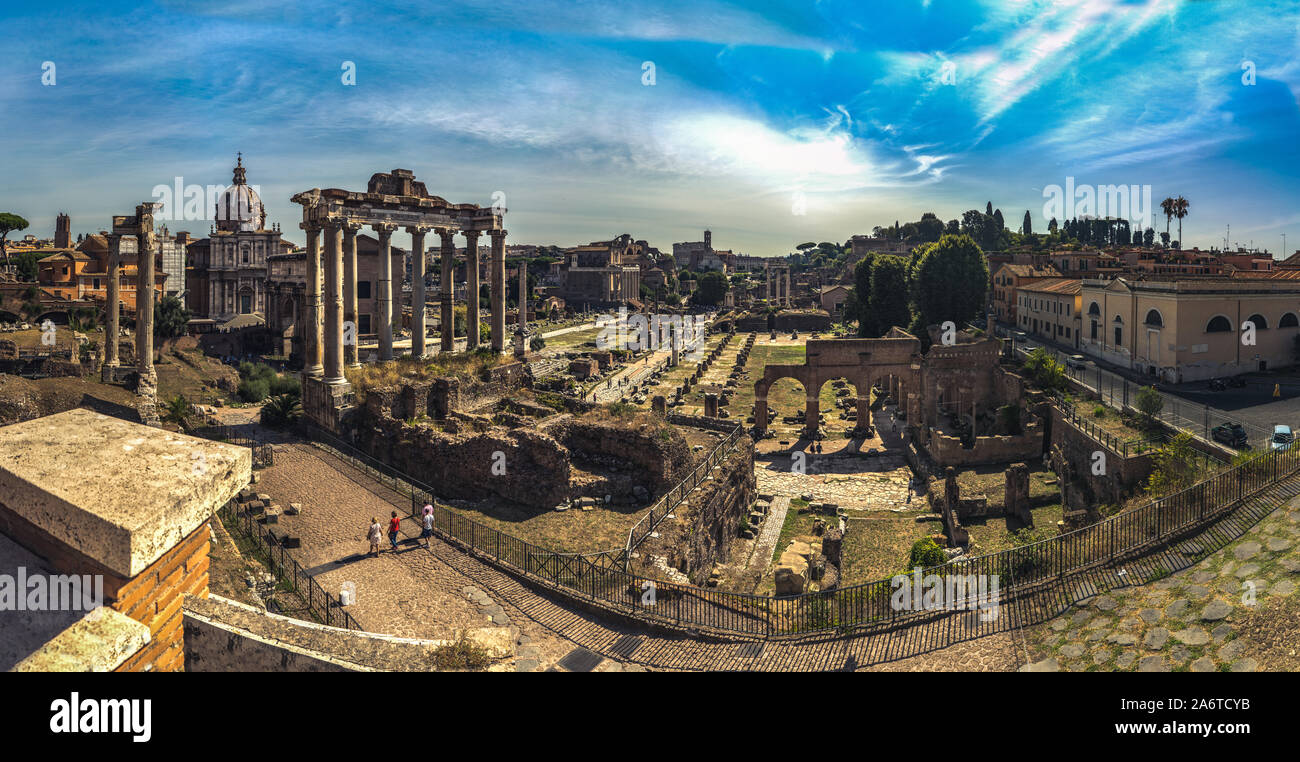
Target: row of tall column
x,y
145,271
778,286
331,299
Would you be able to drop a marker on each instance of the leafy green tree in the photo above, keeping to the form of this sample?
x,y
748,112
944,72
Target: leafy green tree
x,y
949,281
1149,403
9,223
1173,466
889,304
1044,371
169,317
712,288
860,302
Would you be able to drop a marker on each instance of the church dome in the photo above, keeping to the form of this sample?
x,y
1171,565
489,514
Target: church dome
x,y
239,209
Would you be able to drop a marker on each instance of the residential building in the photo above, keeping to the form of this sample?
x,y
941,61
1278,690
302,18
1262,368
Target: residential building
x,y
1010,277
1050,309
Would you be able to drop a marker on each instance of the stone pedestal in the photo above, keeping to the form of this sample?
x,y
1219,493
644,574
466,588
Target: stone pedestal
x,y
324,403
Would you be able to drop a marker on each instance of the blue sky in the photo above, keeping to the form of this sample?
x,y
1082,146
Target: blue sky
x,y
853,113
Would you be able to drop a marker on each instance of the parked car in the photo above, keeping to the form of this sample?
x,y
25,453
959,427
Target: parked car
x,y
1282,437
1217,385
1076,362
1231,434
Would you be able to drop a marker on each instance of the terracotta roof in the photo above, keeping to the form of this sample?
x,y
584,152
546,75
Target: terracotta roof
x,y
1030,271
1066,286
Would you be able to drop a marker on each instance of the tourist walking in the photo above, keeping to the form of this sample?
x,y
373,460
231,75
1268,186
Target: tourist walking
x,y
427,532
394,526
373,535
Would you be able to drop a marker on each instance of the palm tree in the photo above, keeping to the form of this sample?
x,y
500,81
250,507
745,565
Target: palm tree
x,y
1180,211
1167,206
281,410
177,408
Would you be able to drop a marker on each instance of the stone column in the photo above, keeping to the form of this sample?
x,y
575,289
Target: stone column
x,y
313,345
760,414
333,327
812,412
113,305
447,290
471,290
144,268
498,290
864,411
417,289
788,301
351,336
385,231
523,296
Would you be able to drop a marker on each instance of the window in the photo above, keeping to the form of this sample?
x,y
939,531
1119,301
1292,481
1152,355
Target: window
x,y
1154,319
363,321
1288,321
1218,324
1094,330
1119,335
363,290
1259,321
1093,309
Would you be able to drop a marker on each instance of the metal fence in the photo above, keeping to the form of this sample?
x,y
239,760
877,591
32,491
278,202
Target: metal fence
x,y
1020,572
263,454
323,607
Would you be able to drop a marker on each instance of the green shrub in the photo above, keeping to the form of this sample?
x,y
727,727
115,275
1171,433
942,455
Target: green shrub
x,y
925,553
254,390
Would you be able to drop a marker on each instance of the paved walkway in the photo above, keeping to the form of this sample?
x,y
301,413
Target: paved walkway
x,y
446,579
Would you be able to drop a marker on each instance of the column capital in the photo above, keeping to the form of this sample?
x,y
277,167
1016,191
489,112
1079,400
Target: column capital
x,y
384,228
332,223
309,226
351,227
497,233
419,229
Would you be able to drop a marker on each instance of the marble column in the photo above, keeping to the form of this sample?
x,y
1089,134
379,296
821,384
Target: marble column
x,y
333,324
417,289
864,411
523,295
313,349
113,304
788,301
385,231
447,289
498,290
351,326
471,290
144,292
760,414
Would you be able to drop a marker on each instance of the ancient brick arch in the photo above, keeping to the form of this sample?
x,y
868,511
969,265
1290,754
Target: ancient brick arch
x,y
894,360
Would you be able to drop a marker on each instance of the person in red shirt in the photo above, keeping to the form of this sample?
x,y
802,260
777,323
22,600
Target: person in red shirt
x,y
394,525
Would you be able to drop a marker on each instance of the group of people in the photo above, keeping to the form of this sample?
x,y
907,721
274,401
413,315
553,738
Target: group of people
x,y
394,529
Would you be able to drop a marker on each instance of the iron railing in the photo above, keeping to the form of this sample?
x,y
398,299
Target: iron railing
x,y
323,607
263,454
600,578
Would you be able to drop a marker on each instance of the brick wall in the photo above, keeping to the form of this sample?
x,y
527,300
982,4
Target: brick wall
x,y
154,598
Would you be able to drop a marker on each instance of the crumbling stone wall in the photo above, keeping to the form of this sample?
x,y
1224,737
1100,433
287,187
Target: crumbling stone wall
x,y
461,466
1122,476
706,525
661,455
463,455
948,451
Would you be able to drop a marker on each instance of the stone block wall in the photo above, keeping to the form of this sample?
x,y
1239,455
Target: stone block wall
x,y
1122,478
706,525
948,451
